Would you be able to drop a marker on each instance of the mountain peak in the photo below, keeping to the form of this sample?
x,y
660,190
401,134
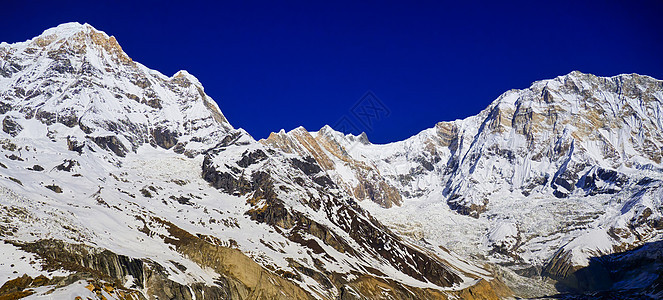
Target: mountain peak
x,y
83,67
78,38
183,74
68,29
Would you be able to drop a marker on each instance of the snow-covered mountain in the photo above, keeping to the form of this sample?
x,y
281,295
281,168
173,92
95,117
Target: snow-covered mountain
x,y
539,183
121,182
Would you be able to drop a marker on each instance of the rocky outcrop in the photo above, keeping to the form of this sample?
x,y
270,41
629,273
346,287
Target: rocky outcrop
x,y
602,181
25,286
242,278
368,287
230,182
164,138
96,264
484,289
10,126
101,263
325,149
20,287
111,143
560,266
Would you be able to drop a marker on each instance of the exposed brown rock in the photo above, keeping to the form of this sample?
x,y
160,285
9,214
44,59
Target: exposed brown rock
x,y
16,288
484,289
164,138
54,188
245,278
10,126
111,143
371,185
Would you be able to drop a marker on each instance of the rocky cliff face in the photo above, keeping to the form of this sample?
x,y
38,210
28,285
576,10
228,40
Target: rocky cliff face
x,y
365,182
122,183
552,175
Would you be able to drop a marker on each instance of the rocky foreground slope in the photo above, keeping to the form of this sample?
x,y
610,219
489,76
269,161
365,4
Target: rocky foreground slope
x,y
541,183
121,183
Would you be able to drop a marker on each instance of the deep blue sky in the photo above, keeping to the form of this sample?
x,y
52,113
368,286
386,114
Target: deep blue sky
x,y
273,65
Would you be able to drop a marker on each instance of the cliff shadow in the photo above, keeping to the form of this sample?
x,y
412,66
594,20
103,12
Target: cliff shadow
x,y
633,274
